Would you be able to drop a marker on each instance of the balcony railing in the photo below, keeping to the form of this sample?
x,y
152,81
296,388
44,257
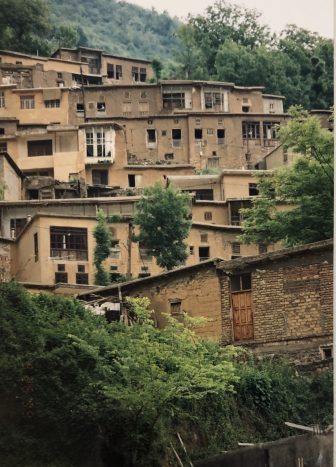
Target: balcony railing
x,y
69,255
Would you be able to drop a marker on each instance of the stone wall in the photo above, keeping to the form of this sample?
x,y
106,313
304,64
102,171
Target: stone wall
x,y
296,451
5,261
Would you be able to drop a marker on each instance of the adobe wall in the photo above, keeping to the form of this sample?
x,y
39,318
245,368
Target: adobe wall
x,y
198,292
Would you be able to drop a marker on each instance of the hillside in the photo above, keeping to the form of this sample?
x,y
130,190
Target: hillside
x,y
119,27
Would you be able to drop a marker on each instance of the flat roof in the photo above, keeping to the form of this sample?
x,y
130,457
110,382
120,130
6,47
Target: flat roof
x,y
51,202
218,263
241,263
148,279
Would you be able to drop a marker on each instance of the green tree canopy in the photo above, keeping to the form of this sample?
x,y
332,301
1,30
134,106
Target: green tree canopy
x,y
307,188
229,43
102,250
163,217
24,25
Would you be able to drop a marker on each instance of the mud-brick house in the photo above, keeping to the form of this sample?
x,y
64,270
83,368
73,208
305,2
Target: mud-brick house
x,y
274,303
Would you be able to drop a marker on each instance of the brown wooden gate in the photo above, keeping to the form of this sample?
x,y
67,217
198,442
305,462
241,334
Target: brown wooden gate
x,y
242,315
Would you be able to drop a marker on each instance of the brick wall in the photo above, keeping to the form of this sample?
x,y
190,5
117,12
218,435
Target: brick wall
x,y
291,299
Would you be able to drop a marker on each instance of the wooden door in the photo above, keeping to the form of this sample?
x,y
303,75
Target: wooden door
x,y
242,316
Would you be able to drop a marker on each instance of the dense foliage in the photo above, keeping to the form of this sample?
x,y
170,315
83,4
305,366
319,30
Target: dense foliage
x,y
307,187
102,249
228,43
119,27
77,391
163,217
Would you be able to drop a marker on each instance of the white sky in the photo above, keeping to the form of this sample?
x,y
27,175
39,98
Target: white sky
x,y
315,15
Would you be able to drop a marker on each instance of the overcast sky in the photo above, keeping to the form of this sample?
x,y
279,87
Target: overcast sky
x,y
315,15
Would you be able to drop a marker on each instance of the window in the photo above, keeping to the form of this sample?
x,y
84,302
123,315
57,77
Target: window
x,y
99,177
150,122
175,307
110,70
135,73
214,100
213,163
131,180
246,107
69,243
17,225
204,238
52,104
80,107
145,253
61,277
59,75
3,147
164,133
81,268
126,108
176,137
113,268
204,253
143,74
82,278
253,189
240,283
191,250
2,99
251,130
115,249
27,102
326,351
40,148
271,107
101,107
220,135
262,249
98,142
206,194
61,267
198,134
151,138
234,211
143,108
270,133
210,131
208,216
235,248
36,247
173,100
118,71
169,156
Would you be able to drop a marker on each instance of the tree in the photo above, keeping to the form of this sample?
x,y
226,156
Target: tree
x,y
163,216
102,250
157,68
307,187
24,25
226,21
77,390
